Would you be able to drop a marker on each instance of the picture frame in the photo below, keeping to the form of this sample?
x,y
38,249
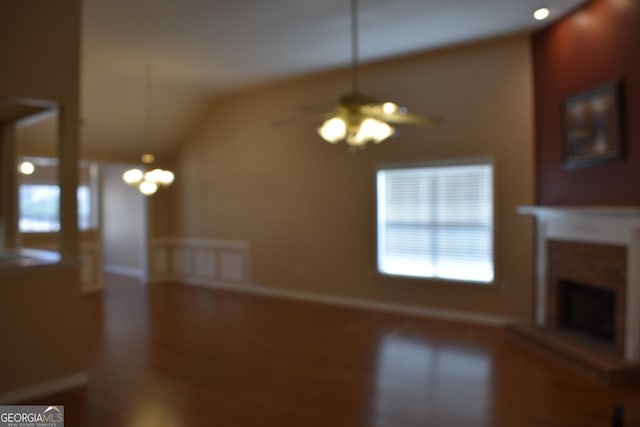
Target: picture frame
x,y
593,126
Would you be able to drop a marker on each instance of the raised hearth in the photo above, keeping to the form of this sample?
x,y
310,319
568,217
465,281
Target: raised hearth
x,y
577,352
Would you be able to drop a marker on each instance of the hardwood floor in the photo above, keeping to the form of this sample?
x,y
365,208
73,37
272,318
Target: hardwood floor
x,y
177,355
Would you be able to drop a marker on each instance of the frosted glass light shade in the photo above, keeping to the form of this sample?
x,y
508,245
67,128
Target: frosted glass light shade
x,y
148,188
133,176
148,182
374,130
167,177
333,130
356,131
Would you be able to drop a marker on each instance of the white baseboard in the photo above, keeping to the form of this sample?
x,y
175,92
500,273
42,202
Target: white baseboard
x,y
394,308
123,271
36,391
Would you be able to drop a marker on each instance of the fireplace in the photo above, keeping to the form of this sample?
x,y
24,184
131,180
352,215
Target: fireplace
x,y
587,310
586,283
587,288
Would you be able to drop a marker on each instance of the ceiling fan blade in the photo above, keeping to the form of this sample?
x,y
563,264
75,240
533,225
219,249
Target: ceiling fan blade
x,y
410,119
317,109
398,115
404,118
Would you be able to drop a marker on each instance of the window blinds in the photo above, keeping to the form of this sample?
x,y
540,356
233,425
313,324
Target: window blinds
x,y
436,222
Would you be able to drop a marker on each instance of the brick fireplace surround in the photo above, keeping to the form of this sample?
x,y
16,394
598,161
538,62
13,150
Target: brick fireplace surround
x,y
596,265
598,247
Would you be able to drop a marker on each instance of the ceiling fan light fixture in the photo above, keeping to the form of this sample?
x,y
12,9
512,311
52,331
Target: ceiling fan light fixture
x,y
359,118
355,131
390,107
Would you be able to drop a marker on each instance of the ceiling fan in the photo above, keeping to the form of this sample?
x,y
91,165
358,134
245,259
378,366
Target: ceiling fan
x,y
359,118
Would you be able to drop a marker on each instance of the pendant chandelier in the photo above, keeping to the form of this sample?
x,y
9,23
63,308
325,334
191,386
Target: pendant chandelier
x,y
148,179
358,118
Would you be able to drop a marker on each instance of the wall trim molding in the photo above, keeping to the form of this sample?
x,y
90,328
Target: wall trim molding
x,y
201,242
93,289
35,391
213,260
359,303
225,264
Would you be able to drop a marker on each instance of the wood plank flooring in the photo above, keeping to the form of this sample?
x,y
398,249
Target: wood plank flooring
x,y
176,355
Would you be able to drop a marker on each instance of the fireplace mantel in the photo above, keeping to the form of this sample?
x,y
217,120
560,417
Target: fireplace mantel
x,y
581,211
615,225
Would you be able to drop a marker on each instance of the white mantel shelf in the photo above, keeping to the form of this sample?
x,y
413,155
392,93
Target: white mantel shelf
x,y
588,211
616,225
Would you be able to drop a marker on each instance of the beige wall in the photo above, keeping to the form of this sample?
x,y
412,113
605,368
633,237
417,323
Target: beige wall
x,y
40,54
308,208
40,51
39,43
41,311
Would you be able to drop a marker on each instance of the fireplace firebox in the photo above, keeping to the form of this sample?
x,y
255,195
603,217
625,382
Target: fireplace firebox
x,y
587,310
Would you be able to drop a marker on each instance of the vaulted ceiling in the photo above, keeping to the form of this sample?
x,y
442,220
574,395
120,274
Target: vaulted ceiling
x,y
201,49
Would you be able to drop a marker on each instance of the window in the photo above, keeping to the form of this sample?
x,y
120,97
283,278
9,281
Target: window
x,y
40,205
436,221
39,196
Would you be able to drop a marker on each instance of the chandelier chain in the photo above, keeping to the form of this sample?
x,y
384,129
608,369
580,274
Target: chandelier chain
x,y
148,105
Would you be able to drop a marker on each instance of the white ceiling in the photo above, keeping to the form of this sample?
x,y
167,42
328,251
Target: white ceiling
x,y
203,48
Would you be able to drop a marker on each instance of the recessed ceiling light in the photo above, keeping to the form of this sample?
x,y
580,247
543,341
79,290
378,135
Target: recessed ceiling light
x,y
541,13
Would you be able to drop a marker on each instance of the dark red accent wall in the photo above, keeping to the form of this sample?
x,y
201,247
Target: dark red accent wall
x,y
597,43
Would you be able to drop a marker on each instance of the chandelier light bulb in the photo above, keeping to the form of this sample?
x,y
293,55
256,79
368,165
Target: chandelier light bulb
x,y
154,176
159,177
148,188
133,176
167,177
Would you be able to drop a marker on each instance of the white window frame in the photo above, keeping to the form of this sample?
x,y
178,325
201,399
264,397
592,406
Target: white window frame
x,y
442,163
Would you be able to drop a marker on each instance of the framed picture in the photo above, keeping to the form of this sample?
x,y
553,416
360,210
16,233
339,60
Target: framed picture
x,y
593,126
